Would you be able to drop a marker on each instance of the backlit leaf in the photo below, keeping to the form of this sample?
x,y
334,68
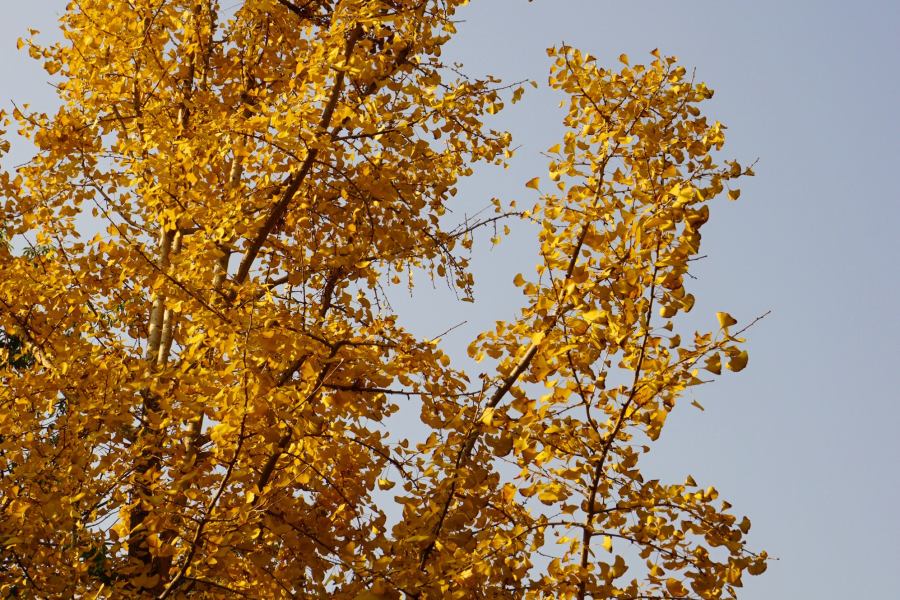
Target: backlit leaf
x,y
726,320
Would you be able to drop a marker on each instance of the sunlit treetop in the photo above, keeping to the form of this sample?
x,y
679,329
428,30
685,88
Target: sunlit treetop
x,y
201,370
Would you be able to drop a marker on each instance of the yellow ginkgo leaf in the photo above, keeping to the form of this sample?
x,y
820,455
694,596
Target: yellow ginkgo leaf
x,y
607,543
738,362
509,493
534,183
713,364
591,315
757,567
726,320
675,588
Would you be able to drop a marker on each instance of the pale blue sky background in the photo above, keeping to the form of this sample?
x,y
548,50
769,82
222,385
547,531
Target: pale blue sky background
x,y
805,440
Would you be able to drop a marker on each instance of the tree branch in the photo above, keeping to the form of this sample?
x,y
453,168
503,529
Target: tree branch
x,y
296,179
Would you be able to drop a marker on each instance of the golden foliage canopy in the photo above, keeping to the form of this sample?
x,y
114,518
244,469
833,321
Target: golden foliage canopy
x,y
197,402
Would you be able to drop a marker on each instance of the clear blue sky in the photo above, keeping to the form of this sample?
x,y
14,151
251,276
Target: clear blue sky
x,y
804,440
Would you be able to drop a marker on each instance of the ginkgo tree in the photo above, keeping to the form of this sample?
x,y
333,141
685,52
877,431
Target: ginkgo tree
x,y
196,402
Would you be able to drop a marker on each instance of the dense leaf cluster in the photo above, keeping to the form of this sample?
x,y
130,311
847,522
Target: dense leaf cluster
x,y
201,401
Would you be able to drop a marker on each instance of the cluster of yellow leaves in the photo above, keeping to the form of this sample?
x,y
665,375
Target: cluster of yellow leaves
x,y
175,423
